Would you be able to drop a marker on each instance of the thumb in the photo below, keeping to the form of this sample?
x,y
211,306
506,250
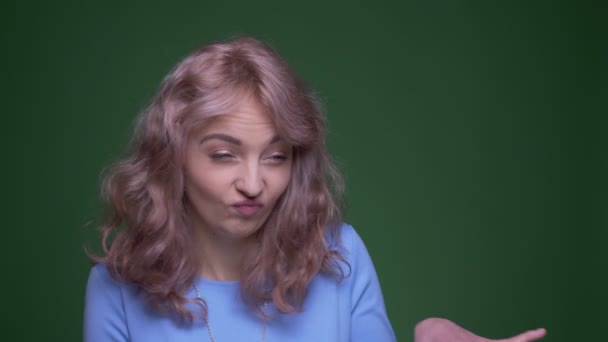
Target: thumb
x,y
528,336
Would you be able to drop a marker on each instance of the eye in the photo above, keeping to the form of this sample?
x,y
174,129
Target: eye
x,y
277,158
222,156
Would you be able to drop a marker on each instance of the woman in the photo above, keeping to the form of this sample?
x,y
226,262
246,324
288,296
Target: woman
x,y
226,218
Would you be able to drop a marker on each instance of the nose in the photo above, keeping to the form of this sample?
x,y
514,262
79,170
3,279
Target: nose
x,y
250,182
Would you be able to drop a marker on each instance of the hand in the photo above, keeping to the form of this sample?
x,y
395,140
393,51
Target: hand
x,y
443,330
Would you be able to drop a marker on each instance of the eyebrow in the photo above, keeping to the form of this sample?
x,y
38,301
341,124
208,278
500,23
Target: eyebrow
x,y
224,137
232,140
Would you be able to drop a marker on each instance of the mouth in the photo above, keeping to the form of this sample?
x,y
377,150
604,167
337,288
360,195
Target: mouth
x,y
248,208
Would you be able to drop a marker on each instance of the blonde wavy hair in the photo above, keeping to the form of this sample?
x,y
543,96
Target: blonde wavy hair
x,y
146,235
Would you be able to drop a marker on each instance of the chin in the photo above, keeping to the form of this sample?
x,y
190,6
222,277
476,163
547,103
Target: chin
x,y
242,230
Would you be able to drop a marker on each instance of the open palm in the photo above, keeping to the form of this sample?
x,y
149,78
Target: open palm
x,y
443,330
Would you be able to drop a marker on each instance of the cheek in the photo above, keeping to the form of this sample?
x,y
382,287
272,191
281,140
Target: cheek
x,y
209,185
280,180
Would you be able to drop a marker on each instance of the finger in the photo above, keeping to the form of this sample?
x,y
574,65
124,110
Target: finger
x,y
528,336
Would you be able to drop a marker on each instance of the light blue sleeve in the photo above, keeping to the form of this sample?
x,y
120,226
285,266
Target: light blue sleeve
x,y
104,314
369,321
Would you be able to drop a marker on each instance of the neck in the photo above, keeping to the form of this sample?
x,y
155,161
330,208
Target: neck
x,y
220,258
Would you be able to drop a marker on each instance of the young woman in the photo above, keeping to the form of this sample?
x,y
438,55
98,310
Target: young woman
x,y
225,220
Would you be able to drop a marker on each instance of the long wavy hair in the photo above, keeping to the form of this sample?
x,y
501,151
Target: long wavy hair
x,y
146,236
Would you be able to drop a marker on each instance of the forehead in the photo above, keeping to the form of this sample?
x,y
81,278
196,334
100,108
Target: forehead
x,y
247,119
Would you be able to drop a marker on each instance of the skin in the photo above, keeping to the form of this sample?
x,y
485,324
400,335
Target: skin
x,y
443,330
236,157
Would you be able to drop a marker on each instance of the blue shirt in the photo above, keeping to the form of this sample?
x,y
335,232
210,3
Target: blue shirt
x,y
350,310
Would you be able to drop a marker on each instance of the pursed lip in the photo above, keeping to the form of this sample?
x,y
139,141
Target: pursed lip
x,y
248,207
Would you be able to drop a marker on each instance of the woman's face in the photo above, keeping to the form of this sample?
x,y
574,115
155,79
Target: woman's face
x,y
236,168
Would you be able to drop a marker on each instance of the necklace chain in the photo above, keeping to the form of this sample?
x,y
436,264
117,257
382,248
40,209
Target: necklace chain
x,y
210,331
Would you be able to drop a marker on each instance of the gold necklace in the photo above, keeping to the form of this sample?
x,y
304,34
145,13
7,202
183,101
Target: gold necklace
x,y
211,336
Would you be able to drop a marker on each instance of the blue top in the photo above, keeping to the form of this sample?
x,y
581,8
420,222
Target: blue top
x,y
350,310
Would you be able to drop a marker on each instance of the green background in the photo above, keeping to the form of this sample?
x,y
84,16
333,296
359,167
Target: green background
x,y
472,135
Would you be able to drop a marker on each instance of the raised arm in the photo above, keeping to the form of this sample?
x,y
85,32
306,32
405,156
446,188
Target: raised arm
x,y
443,330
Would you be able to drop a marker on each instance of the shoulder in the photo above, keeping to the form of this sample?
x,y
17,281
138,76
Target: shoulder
x,y
361,287
104,316
355,259
103,290
100,279
347,241
100,272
